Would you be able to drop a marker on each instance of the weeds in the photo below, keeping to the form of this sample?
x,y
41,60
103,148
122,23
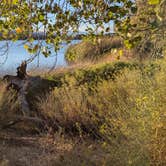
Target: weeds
x,y
8,100
127,114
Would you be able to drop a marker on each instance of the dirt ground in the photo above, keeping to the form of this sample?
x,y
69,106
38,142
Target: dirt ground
x,y
17,150
44,150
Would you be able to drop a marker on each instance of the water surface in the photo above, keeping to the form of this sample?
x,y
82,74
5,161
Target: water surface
x,y
17,54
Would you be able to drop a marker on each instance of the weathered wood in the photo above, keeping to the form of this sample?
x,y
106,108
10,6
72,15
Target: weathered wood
x,y
21,70
20,83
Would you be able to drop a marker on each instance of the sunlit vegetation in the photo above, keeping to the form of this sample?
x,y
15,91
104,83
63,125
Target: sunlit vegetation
x,y
90,75
92,50
126,115
96,111
8,100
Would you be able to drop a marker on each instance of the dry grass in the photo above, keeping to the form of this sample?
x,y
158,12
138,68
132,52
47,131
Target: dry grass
x,y
8,101
48,150
121,122
88,50
127,114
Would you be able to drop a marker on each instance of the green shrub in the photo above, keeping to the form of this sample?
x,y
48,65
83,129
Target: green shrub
x,y
95,74
92,75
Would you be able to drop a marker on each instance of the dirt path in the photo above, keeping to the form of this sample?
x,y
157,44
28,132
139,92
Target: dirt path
x,y
29,150
17,150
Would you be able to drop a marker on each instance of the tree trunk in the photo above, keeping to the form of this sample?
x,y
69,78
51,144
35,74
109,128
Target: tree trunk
x,y
20,83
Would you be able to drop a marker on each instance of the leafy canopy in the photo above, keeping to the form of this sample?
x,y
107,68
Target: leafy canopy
x,y
61,19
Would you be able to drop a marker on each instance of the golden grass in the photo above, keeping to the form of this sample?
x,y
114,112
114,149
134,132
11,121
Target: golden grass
x,y
88,50
6,98
128,114
124,121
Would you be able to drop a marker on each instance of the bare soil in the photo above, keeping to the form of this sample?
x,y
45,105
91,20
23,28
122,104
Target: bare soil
x,y
25,150
21,149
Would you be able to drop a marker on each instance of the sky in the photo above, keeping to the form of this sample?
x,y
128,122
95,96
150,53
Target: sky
x,y
83,27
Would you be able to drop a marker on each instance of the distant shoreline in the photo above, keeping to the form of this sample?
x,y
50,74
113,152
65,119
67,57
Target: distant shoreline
x,y
42,36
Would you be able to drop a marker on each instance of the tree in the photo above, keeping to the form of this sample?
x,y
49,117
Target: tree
x,y
147,29
59,19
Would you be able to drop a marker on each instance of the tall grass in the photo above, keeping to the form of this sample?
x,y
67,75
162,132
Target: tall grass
x,y
6,98
9,105
127,115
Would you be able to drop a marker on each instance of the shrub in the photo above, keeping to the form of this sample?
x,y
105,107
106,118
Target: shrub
x,y
92,75
127,114
92,50
95,74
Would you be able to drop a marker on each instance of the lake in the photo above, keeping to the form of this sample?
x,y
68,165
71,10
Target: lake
x,y
17,54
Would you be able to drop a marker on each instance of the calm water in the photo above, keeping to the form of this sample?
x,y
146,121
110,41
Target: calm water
x,y
17,54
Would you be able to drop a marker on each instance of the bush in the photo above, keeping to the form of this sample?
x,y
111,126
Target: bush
x,y
92,50
91,75
127,114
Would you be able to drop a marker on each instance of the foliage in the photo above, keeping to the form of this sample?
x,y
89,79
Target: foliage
x,y
92,50
138,22
145,31
128,115
59,19
93,75
89,76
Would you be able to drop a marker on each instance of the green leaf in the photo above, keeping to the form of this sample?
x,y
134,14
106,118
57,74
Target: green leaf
x,y
41,17
110,14
35,48
14,2
128,44
153,2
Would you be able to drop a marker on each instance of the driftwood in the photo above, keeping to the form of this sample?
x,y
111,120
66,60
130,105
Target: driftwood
x,y
20,83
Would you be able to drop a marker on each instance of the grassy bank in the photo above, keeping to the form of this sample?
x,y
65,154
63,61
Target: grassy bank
x,y
90,76
109,113
128,115
89,50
